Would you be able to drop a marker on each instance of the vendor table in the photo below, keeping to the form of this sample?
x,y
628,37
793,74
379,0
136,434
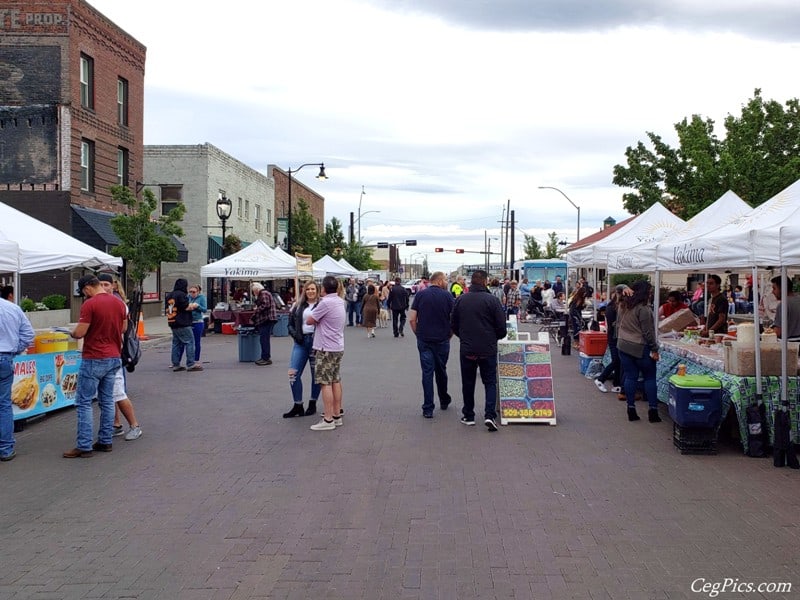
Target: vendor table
x,y
44,382
737,390
239,317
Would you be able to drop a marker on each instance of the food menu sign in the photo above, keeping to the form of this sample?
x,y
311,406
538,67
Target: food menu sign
x,y
44,382
526,382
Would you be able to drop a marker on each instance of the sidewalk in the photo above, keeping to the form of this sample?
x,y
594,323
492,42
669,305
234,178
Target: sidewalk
x,y
221,498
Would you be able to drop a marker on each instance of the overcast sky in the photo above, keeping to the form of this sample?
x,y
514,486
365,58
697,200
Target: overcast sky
x,y
446,109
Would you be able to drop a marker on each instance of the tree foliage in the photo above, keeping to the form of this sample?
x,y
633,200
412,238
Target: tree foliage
x,y
759,156
360,257
305,237
232,244
533,249
426,273
333,241
144,242
551,248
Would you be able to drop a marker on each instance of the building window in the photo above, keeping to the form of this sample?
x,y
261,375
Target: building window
x,y
239,208
87,81
257,218
247,210
268,221
122,101
122,166
87,166
171,197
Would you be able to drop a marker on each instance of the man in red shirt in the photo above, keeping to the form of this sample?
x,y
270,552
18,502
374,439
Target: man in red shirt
x,y
673,304
101,323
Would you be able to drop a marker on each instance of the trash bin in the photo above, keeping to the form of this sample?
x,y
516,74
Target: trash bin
x,y
249,344
281,328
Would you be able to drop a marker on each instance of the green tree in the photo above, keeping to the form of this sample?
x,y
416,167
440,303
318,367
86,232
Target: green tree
x,y
144,243
532,248
757,158
360,256
232,244
305,237
426,273
551,248
333,242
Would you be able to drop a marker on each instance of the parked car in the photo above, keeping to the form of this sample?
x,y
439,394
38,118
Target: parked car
x,y
411,285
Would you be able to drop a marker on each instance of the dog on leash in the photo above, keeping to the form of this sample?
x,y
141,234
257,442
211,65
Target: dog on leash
x,y
383,318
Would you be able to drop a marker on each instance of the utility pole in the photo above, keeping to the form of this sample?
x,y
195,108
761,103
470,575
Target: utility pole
x,y
511,253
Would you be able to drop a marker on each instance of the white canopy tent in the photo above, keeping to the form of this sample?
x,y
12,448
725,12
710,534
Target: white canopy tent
x,y
348,266
642,258
752,240
653,224
256,261
332,267
37,246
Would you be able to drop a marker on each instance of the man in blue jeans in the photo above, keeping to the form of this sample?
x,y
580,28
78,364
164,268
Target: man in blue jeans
x,y
430,321
16,334
479,321
101,323
179,319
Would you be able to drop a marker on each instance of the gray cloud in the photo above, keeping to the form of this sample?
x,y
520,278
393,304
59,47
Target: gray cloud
x,y
779,19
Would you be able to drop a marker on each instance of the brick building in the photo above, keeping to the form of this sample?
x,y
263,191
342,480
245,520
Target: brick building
x,y
316,203
71,116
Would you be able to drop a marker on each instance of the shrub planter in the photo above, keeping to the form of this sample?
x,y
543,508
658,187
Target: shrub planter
x,y
42,319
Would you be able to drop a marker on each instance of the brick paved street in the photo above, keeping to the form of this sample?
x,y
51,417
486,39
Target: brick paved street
x,y
224,499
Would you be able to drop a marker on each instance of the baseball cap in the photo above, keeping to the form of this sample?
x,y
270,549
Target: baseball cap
x,y
105,277
86,280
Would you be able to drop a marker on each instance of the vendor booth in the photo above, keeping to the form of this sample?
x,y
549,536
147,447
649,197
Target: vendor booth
x,y
45,378
759,370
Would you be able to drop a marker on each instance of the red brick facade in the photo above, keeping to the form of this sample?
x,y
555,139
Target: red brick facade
x,y
29,32
316,202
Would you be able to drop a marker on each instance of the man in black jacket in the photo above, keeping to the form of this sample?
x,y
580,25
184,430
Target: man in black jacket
x,y
179,318
479,321
398,302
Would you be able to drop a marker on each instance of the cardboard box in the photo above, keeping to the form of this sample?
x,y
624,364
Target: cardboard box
x,y
678,321
740,359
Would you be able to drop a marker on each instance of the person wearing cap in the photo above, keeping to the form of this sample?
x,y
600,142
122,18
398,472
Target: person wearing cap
x,y
16,334
122,404
179,318
101,323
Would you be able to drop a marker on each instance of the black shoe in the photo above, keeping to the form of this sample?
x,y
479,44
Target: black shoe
x,y
297,411
444,405
467,421
427,415
402,334
312,408
10,456
101,447
490,424
632,416
652,416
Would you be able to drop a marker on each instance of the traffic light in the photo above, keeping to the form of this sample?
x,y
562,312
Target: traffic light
x,y
459,251
438,249
382,245
411,242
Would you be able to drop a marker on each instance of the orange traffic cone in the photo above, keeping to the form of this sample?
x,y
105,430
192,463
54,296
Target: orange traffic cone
x,y
140,328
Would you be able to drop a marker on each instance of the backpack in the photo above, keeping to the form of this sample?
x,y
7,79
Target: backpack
x,y
131,347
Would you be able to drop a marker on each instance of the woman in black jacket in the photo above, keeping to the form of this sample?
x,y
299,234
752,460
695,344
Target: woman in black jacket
x,y
302,351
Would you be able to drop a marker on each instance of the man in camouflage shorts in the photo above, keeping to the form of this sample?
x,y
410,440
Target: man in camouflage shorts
x,y
329,318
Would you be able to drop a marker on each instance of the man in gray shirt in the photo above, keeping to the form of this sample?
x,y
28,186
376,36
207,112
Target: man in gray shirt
x,y
16,334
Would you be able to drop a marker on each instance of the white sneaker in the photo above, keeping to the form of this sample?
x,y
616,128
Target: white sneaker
x,y
133,434
616,389
338,421
600,386
323,425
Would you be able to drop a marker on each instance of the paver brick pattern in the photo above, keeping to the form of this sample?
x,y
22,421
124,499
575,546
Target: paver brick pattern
x,y
222,499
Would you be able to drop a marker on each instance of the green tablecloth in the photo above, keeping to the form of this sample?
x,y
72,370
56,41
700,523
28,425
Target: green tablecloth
x,y
737,390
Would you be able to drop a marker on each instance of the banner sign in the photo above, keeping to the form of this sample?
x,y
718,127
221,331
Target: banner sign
x,y
305,264
525,376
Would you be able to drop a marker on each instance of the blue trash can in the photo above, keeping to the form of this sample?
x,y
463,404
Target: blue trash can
x,y
249,344
281,328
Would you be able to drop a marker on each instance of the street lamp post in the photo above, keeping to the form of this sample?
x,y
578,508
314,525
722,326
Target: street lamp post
x,y
224,207
578,208
321,175
358,221
361,197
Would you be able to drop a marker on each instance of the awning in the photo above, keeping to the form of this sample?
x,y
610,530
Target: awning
x,y
215,247
93,227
